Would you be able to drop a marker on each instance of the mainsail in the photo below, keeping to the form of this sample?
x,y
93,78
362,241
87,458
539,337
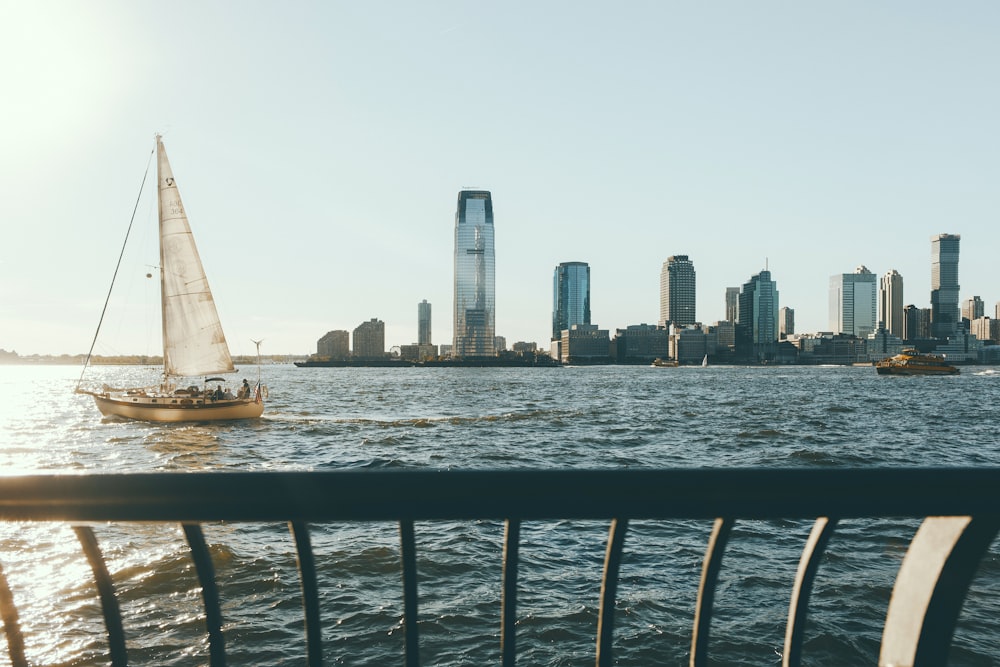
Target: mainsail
x,y
193,341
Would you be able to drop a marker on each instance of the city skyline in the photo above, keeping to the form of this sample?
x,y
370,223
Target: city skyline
x,y
320,151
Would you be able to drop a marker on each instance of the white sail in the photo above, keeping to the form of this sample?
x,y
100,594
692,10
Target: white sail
x,y
193,341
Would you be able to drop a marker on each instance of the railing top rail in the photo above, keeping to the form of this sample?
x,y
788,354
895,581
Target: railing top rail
x,y
374,495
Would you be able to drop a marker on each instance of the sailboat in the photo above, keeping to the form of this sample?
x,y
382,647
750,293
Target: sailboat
x,y
194,345
704,361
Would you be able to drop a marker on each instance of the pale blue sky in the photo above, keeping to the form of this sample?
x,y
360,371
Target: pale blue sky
x,y
320,148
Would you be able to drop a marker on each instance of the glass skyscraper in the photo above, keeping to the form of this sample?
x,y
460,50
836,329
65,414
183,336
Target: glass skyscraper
x,y
757,325
677,292
854,303
944,285
570,297
423,323
475,276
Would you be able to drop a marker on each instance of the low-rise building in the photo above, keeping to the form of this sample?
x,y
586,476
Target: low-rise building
x,y
585,344
640,343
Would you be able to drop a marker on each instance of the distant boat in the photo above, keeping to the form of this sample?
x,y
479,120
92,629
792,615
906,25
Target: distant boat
x,y
664,363
194,345
704,361
912,362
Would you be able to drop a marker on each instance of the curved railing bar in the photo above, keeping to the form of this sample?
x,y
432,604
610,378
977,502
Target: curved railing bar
x,y
209,593
931,585
310,593
609,591
11,624
798,608
508,602
706,589
408,554
106,590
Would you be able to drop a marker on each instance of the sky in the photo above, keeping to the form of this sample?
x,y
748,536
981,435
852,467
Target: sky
x,y
319,148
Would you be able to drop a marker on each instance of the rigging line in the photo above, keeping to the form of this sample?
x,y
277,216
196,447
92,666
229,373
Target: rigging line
x,y
107,299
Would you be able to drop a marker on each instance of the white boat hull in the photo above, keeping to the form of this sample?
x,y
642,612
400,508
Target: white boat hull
x,y
165,408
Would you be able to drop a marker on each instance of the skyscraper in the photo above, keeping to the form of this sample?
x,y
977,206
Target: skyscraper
x,y
423,323
570,297
757,327
973,308
786,322
677,291
732,304
944,285
890,303
854,303
475,276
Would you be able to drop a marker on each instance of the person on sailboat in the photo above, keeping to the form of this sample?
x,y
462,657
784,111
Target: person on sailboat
x,y
245,391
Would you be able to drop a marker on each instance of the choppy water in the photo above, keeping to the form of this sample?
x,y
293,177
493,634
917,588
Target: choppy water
x,y
598,417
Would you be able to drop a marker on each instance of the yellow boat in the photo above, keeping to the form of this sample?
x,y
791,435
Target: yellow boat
x,y
912,362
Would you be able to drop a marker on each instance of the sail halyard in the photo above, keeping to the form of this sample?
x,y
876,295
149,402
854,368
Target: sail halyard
x,y
193,341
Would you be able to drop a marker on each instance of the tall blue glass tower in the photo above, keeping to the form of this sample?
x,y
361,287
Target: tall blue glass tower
x,y
475,276
570,297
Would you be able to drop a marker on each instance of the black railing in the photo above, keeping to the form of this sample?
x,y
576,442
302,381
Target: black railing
x,y
961,506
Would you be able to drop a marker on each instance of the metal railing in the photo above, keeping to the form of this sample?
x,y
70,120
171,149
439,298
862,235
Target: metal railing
x,y
959,507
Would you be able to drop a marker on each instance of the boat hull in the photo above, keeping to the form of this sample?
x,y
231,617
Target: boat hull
x,y
172,409
901,370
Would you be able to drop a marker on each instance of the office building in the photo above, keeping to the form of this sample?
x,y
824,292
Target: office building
x,y
985,329
757,324
677,292
475,276
944,285
732,304
854,303
369,339
423,323
786,322
585,344
570,296
973,308
640,343
890,303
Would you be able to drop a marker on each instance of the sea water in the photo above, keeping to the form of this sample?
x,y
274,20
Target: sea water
x,y
493,418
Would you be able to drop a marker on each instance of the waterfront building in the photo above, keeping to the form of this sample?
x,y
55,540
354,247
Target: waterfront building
x,y
890,302
500,344
854,303
570,296
417,352
725,336
732,304
334,345
423,323
475,276
973,308
688,346
882,344
960,347
369,339
640,343
523,348
786,322
985,329
757,323
830,348
944,285
585,344
677,292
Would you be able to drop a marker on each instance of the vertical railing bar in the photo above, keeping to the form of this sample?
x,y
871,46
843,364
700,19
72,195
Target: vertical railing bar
x,y
209,592
11,624
798,608
310,593
409,557
106,590
609,591
706,589
508,602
